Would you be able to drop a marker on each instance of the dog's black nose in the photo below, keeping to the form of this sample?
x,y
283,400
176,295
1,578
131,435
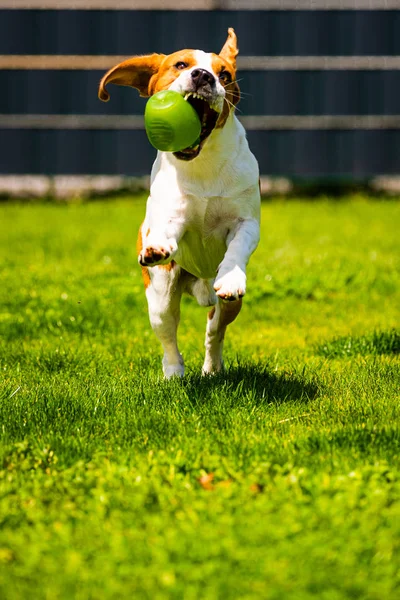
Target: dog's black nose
x,y
201,77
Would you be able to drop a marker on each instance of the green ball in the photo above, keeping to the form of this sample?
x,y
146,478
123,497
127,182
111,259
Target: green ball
x,y
171,123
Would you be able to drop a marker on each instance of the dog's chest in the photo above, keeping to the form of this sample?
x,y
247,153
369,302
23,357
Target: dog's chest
x,y
204,244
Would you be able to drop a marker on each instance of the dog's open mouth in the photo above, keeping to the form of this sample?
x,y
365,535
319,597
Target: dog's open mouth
x,y
208,118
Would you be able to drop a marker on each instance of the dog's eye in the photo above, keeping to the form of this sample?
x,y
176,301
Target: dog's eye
x,y
181,65
225,77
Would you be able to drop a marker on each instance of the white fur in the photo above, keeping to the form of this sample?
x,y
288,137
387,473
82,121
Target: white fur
x,y
204,214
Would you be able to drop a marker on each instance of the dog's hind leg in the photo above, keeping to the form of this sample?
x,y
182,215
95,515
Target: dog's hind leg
x,y
219,318
164,292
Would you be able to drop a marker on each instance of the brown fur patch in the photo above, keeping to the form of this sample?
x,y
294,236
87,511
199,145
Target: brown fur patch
x,y
135,72
230,50
168,267
229,312
211,313
146,277
139,248
226,60
139,241
167,72
232,90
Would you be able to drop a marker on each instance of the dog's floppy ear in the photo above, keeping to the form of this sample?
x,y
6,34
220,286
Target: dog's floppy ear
x,y
135,72
230,50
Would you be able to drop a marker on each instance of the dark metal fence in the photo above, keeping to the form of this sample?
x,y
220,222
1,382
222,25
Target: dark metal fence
x,y
321,87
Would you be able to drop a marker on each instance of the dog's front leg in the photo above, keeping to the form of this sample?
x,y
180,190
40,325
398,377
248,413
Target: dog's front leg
x,y
158,240
230,283
160,237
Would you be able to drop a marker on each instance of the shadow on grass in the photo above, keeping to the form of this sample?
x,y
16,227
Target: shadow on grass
x,y
257,383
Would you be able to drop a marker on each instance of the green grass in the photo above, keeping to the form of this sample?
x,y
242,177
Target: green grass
x,y
383,342
297,443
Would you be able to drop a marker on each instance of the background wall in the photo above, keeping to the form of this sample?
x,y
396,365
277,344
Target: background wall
x,y
320,82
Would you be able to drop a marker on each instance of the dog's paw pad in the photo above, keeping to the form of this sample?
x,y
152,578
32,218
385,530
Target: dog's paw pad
x,y
230,297
154,255
232,286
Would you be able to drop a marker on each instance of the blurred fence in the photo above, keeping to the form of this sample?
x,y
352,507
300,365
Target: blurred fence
x,y
320,82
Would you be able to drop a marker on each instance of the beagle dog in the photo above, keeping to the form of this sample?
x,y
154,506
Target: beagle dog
x,y
203,211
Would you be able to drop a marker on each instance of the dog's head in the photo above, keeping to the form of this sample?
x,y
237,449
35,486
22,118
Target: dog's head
x,y
206,80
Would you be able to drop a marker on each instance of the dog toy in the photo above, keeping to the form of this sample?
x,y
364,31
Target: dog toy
x,y
171,123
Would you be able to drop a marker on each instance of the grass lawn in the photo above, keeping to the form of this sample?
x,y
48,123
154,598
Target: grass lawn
x,y
278,480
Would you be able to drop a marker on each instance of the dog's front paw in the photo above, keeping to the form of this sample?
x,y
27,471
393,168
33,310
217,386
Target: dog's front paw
x,y
231,286
157,254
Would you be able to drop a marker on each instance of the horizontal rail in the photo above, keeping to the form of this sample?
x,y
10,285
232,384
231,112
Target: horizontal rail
x,y
319,63
293,122
62,62
257,123
201,4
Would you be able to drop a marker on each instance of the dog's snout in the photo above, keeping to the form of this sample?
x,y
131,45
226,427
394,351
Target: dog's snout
x,y
202,77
